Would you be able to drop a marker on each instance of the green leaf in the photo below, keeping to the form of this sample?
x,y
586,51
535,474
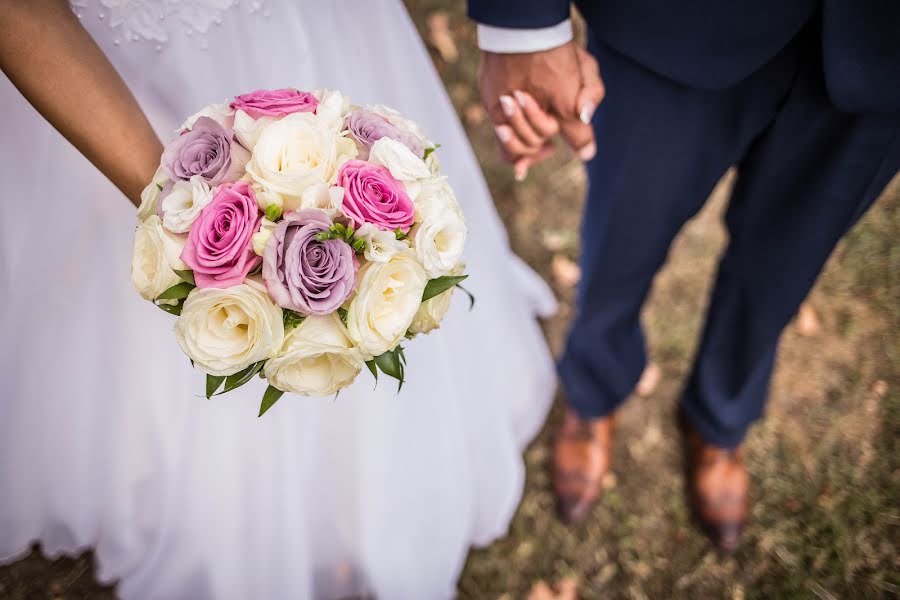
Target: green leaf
x,y
469,294
429,151
291,319
177,291
212,384
342,313
440,285
373,369
172,309
400,234
232,382
324,235
269,398
392,364
187,275
359,245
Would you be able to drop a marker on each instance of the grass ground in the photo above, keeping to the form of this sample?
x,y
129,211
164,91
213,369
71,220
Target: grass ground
x,y
825,463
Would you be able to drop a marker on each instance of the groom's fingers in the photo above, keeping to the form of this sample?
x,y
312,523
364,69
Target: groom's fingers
x,y
579,137
578,132
592,89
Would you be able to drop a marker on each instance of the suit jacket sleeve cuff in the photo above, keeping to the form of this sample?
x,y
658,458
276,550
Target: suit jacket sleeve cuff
x,y
503,40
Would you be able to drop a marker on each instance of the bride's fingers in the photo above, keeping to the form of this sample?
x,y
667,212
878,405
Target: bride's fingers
x,y
515,118
543,123
511,144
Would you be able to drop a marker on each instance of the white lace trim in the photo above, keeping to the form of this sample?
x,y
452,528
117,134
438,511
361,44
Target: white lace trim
x,y
154,20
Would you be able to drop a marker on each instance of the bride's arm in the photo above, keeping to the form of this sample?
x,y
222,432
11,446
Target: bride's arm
x,y
54,62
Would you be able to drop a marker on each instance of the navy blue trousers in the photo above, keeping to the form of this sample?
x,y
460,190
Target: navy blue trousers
x,y
806,173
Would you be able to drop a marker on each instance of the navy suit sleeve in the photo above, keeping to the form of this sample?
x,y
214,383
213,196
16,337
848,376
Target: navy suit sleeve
x,y
519,14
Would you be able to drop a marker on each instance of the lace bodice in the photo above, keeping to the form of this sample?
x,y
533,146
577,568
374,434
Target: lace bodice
x,y
155,21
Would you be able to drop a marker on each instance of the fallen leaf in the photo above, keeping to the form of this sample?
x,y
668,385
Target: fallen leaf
x,y
439,36
558,240
565,589
565,271
474,114
646,385
808,321
607,573
609,480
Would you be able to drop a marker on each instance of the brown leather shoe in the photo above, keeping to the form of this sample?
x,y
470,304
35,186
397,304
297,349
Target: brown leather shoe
x,y
581,454
718,489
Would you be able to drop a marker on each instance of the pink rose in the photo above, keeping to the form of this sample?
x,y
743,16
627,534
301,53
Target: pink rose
x,y
219,248
372,195
275,103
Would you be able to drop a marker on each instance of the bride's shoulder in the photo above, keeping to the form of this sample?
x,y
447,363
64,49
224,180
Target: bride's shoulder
x,y
158,20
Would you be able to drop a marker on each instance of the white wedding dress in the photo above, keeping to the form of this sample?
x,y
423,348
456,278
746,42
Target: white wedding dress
x,y
105,440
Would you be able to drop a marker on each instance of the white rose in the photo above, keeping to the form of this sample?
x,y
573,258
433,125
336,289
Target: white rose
x,y
173,246
226,330
266,197
436,195
151,273
221,113
321,196
150,195
317,359
381,245
261,238
333,107
433,310
440,236
431,313
400,160
433,163
247,129
297,152
388,297
182,205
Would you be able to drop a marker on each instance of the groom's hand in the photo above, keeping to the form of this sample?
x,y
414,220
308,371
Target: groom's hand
x,y
565,81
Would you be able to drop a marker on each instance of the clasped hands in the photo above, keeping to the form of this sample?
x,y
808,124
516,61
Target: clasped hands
x,y
533,97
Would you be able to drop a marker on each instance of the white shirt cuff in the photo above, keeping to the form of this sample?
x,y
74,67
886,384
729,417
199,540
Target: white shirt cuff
x,y
504,40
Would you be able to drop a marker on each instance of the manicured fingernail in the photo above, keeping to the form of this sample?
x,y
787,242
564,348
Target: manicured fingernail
x,y
587,112
508,106
504,133
520,98
520,173
588,152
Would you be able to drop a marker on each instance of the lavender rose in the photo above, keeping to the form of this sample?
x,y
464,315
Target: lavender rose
x,y
306,275
275,103
219,248
372,195
368,126
207,150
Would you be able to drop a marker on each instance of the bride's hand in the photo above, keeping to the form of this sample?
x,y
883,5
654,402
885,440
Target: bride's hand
x,y
55,64
525,136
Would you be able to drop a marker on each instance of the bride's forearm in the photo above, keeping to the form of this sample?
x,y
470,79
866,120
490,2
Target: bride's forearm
x,y
54,62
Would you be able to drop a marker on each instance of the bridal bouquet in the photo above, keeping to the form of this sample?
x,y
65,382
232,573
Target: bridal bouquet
x,y
299,238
